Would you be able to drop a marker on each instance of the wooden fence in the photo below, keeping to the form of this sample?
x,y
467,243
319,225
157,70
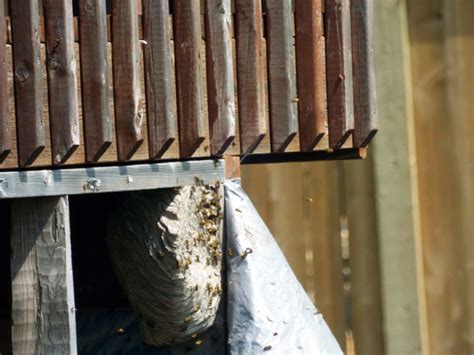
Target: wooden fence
x,y
85,82
409,206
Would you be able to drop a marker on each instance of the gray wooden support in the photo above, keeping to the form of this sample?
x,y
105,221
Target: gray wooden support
x,y
43,312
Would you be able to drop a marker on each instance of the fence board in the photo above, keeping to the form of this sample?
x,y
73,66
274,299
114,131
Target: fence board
x,y
365,101
339,72
62,80
281,74
159,77
220,75
127,88
311,73
366,293
187,36
438,47
250,74
28,84
95,82
5,137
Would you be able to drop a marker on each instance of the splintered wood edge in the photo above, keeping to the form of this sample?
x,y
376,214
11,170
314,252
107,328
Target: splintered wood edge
x,y
78,181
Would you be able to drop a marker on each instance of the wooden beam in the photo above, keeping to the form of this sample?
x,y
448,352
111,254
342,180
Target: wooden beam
x,y
220,75
43,311
396,185
250,74
159,77
62,80
5,136
281,74
95,79
188,37
127,86
311,72
339,71
28,82
78,181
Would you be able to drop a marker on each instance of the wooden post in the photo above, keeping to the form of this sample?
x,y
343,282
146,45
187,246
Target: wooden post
x,y
396,184
42,286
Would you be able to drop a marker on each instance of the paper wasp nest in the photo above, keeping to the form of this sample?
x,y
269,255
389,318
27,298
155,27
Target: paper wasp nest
x,y
165,246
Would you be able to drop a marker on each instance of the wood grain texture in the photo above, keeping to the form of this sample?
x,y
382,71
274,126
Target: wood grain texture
x,y
220,75
339,71
27,74
189,82
126,67
365,101
95,80
250,74
5,136
159,76
281,74
78,181
43,309
311,72
62,79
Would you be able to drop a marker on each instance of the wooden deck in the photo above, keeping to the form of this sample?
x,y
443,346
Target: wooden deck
x,y
144,81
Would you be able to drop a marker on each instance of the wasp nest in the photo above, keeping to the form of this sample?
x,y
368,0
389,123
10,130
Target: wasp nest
x,y
165,246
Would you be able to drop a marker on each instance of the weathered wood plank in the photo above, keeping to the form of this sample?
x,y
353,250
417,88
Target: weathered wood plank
x,y
5,136
62,80
159,76
339,71
27,71
78,181
187,36
95,80
126,66
43,310
365,101
250,74
220,75
281,74
311,72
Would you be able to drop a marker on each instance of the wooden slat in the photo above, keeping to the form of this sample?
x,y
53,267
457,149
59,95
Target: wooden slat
x,y
27,72
311,71
220,75
33,183
339,71
187,35
94,74
250,74
365,104
62,79
281,74
126,67
5,137
159,77
43,311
